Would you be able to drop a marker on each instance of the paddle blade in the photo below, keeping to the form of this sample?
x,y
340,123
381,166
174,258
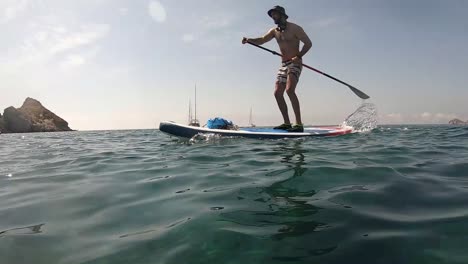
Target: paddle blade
x,y
359,93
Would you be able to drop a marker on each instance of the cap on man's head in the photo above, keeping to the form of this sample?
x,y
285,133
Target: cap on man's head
x,y
278,9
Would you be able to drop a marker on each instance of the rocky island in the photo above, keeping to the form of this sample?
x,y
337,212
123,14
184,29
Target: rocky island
x,y
32,116
457,122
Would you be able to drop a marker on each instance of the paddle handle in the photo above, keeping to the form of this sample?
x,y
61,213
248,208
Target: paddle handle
x,y
263,48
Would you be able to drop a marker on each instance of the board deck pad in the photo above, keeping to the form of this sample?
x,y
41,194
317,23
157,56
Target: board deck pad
x,y
180,130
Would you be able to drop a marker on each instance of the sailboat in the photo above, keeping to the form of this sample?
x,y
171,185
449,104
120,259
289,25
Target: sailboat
x,y
251,124
193,121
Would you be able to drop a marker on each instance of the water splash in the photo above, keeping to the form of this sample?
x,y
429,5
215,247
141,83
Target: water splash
x,y
364,119
206,137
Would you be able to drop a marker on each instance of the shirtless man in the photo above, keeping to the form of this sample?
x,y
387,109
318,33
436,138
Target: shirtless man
x,y
288,35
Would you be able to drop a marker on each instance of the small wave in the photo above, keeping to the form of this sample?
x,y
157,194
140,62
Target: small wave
x,y
28,230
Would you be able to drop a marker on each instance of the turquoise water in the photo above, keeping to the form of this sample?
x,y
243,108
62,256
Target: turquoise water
x,y
396,195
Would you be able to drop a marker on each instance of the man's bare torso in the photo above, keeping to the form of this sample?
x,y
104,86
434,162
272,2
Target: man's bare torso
x,y
288,40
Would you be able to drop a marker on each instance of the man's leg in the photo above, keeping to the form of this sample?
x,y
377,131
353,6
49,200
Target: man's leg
x,y
279,95
291,84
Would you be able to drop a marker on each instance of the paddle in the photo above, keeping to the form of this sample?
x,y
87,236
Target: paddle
x,y
355,90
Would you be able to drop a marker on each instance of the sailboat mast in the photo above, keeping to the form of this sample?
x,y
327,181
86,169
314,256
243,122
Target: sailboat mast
x,y
195,101
190,111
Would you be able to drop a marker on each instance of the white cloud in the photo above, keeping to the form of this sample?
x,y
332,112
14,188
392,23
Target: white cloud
x,y
393,118
87,35
73,61
214,30
422,118
52,44
437,117
328,22
442,116
78,59
188,38
157,11
123,11
41,36
57,39
11,9
60,29
426,115
216,21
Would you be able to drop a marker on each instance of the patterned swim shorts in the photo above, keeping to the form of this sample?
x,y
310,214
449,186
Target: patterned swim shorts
x,y
288,68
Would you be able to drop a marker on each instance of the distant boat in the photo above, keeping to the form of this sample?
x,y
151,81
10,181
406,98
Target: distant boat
x,y
251,124
193,121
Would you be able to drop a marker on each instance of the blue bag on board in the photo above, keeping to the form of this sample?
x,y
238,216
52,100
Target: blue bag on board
x,y
219,123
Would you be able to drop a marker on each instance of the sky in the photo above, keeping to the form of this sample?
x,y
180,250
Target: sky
x,y
125,64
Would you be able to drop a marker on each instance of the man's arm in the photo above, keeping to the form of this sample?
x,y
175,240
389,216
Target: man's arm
x,y
302,36
262,40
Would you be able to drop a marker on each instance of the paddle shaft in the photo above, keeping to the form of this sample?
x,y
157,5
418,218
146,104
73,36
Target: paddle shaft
x,y
355,90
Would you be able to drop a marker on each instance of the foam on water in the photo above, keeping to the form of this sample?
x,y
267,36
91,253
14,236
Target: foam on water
x,y
207,138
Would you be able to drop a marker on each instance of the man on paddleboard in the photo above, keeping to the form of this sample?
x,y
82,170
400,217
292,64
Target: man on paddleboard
x,y
288,35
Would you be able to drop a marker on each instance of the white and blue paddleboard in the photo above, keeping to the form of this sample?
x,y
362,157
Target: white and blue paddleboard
x,y
185,131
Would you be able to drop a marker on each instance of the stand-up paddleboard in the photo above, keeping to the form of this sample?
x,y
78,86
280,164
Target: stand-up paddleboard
x,y
185,131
